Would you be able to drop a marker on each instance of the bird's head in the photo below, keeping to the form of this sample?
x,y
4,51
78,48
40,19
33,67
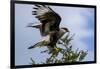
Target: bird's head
x,y
65,30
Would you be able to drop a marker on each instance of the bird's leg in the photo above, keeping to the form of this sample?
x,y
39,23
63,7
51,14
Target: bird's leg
x,y
57,49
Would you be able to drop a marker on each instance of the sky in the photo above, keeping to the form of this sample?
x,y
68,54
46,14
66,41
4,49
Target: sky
x,y
80,21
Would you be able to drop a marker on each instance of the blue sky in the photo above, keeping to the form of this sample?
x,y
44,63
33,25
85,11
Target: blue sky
x,y
80,21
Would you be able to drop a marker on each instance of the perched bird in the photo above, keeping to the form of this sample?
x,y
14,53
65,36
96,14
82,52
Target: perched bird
x,y
48,26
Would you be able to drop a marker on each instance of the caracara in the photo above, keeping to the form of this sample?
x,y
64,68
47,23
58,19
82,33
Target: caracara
x,y
48,27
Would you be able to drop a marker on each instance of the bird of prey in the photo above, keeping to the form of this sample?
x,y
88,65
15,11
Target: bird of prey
x,y
49,19
49,26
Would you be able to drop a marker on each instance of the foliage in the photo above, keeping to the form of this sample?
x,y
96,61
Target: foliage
x,y
64,49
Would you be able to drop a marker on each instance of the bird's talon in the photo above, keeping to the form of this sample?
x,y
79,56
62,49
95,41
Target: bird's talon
x,y
57,49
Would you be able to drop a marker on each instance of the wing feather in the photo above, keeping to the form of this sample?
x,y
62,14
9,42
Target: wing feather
x,y
50,20
44,12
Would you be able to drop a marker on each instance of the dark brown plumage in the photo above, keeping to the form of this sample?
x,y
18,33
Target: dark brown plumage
x,y
49,26
49,20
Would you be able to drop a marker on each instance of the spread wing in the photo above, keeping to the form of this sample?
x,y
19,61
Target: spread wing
x,y
50,20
